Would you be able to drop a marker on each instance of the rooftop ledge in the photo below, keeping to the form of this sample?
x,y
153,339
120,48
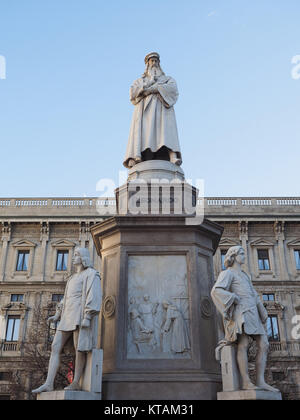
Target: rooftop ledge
x,y
105,206
106,201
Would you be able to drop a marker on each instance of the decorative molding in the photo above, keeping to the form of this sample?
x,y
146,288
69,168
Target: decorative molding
x,y
44,231
24,243
109,307
227,242
14,308
294,243
63,243
274,308
243,229
206,308
6,231
262,242
279,229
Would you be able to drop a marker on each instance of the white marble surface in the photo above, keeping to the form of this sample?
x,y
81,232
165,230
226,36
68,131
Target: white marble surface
x,y
156,169
153,123
158,307
91,380
249,395
69,396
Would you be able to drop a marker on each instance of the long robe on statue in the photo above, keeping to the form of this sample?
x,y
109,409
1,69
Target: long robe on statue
x,y
180,338
153,124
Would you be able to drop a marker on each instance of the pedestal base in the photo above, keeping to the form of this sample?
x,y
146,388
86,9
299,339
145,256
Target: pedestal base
x,y
186,388
158,329
156,187
69,395
245,395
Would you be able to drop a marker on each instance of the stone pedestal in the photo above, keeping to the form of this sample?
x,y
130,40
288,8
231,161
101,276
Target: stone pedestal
x,y
230,372
249,395
232,381
68,396
158,330
91,380
156,187
158,327
156,169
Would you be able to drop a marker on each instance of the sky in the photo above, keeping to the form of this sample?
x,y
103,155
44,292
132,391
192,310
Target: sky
x,y
65,112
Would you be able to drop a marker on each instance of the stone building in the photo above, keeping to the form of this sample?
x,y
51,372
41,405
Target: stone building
x,y
38,236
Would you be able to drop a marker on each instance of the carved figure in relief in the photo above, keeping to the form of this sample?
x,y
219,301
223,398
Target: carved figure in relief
x,y
140,334
176,326
147,310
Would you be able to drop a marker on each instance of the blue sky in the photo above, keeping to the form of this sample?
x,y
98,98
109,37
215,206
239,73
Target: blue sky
x,y
64,105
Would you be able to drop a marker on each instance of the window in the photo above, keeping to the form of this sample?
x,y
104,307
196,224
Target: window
x,y
57,298
12,330
278,376
263,259
62,260
297,258
272,328
16,298
22,262
5,376
268,297
223,253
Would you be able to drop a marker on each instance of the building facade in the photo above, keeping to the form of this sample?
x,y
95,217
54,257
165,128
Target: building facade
x,y
38,236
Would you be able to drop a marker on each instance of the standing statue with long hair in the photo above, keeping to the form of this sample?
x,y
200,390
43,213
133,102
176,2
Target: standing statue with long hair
x,y
153,133
244,316
78,314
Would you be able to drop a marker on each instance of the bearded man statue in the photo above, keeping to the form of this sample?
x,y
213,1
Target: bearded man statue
x,y
153,133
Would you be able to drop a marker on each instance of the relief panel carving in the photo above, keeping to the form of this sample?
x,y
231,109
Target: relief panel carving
x,y
158,307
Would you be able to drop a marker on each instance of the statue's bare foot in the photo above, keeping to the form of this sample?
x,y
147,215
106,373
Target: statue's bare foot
x,y
246,386
74,386
266,387
43,388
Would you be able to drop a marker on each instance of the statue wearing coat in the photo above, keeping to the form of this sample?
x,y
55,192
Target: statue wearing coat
x,y
78,315
153,132
75,308
244,316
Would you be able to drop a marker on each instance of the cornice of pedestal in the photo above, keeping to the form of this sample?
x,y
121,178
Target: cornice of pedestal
x,y
148,223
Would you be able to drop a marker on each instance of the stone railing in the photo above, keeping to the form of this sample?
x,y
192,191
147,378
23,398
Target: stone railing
x,y
256,206
249,202
292,347
55,202
92,206
9,346
92,201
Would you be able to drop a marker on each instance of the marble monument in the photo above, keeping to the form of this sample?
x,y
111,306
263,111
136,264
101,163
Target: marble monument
x,y
244,316
156,268
153,132
78,314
